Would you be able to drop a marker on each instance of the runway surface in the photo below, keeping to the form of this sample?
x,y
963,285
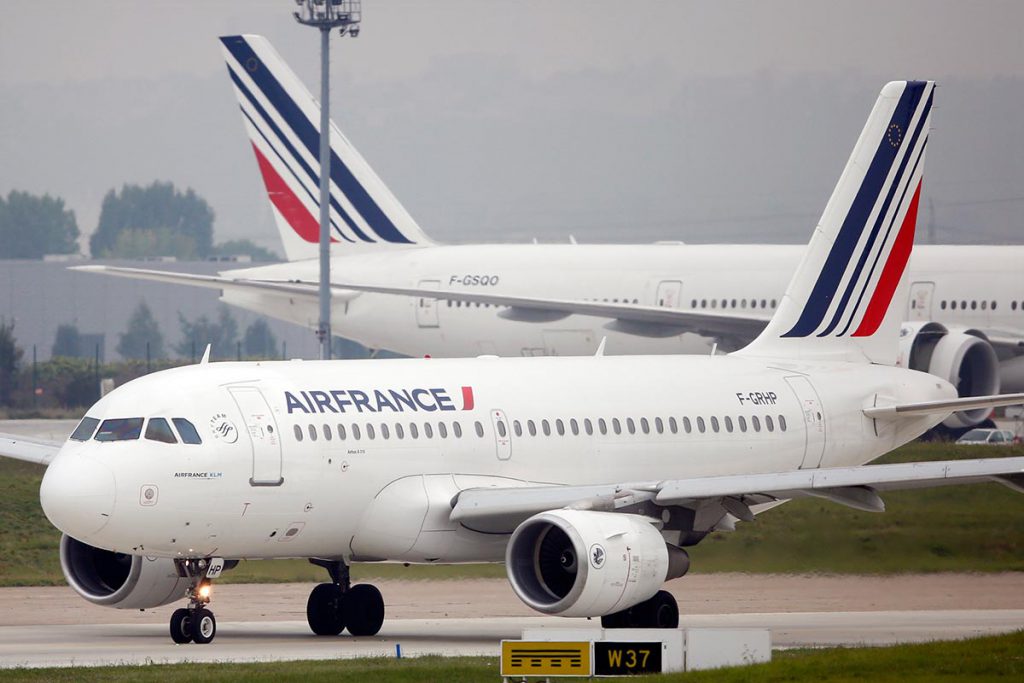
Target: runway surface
x,y
53,627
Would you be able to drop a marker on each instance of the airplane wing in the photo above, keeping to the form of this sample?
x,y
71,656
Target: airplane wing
x,y
653,321
950,406
502,509
30,450
281,287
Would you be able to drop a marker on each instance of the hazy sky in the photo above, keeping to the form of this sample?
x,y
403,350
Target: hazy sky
x,y
500,121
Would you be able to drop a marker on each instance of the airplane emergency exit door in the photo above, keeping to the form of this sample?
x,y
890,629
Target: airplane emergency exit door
x,y
263,436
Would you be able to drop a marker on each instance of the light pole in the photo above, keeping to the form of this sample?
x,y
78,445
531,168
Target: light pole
x,y
326,15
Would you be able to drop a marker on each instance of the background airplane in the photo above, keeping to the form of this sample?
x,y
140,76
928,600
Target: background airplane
x,y
587,476
394,288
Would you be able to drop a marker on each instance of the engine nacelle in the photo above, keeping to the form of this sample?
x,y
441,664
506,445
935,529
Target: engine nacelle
x,y
581,563
119,580
961,356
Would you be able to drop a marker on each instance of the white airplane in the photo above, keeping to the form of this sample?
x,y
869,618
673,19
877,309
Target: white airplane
x,y
586,475
965,322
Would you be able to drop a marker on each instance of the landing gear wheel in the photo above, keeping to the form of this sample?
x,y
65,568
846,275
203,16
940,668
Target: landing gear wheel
x,y
365,607
660,611
326,609
615,620
204,626
181,626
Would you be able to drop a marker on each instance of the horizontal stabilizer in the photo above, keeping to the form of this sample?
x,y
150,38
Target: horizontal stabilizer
x,y
948,406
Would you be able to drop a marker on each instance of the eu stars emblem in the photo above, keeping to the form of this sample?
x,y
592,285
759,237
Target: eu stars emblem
x,y
895,135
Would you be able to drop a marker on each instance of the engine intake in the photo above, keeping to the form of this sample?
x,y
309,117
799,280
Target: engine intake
x,y
119,580
581,563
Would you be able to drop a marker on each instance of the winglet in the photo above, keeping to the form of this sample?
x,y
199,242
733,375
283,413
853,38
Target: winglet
x,y
206,355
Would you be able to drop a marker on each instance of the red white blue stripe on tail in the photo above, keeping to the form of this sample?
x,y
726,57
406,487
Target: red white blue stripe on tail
x,y
843,291
282,120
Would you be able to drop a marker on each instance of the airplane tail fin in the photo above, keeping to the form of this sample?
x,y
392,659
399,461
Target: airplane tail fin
x,y
282,120
838,304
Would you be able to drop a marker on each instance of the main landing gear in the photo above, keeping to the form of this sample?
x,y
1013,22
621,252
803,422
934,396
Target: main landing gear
x,y
196,623
659,611
336,606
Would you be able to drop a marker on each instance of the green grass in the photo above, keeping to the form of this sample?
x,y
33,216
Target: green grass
x,y
959,528
996,658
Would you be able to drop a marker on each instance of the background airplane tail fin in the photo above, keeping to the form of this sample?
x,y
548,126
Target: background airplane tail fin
x,y
282,120
839,303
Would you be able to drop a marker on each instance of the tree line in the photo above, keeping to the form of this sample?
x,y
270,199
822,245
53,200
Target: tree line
x,y
135,222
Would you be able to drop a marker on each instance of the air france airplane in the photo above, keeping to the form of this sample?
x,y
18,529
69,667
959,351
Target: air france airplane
x,y
587,476
964,323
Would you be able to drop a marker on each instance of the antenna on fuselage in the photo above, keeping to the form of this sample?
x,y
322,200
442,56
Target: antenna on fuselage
x,y
205,360
600,347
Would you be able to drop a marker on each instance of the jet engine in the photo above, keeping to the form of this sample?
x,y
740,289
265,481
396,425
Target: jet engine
x,y
119,580
581,563
961,356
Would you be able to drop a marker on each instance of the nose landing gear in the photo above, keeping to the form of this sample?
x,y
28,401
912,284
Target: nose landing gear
x,y
196,623
336,606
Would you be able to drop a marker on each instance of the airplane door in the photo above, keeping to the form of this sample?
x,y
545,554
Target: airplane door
x,y
814,421
921,301
263,436
669,294
426,308
502,435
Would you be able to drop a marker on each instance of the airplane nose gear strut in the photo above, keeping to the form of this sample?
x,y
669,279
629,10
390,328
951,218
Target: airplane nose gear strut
x,y
336,606
196,623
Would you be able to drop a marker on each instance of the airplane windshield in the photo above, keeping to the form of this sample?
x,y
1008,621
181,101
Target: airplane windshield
x,y
85,429
120,429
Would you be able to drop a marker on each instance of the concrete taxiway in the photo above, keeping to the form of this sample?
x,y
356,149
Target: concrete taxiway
x,y
53,627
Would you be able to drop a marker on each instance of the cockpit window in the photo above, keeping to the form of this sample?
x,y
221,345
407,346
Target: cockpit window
x,y
159,430
85,429
120,429
187,430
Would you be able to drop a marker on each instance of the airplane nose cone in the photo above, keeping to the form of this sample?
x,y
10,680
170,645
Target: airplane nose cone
x,y
77,495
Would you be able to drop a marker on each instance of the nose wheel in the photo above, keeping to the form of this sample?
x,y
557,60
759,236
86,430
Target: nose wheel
x,y
337,606
196,623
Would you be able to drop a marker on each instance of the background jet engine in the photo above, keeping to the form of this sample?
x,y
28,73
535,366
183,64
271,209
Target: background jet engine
x,y
578,563
960,356
119,580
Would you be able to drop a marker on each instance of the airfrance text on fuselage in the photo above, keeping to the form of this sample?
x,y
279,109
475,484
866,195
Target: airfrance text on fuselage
x,y
375,400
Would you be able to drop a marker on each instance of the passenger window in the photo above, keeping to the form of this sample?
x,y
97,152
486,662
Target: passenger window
x,y
728,424
457,428
442,429
756,423
630,425
743,423
517,428
120,429
298,433
616,425
645,426
714,424
312,432
768,423
545,427
602,426
782,423
341,432
159,430
687,427
560,426
400,431
187,431
700,425
588,426
385,433
428,431
673,426
370,433
479,429
502,432
414,431
355,432
327,432
85,429
531,427
574,426
659,426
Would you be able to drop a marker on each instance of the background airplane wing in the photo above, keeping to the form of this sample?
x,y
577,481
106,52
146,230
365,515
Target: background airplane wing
x,y
497,509
31,450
